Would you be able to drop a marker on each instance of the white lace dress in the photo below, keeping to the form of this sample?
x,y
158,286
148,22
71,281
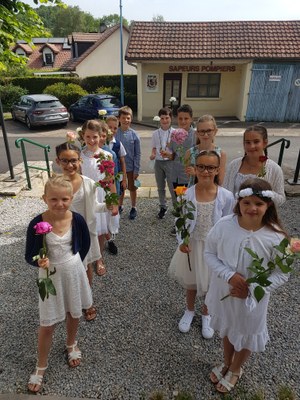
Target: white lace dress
x,y
89,168
73,292
79,205
199,276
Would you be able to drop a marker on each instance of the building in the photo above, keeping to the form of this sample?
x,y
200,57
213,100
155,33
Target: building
x,y
244,69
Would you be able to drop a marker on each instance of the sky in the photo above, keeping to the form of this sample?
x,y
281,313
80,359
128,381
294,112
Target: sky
x,y
191,10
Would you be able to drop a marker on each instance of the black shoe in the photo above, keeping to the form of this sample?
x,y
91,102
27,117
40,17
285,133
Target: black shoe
x,y
162,213
112,248
133,213
173,231
120,209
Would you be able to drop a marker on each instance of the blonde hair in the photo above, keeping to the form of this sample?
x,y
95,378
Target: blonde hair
x,y
205,118
126,111
59,180
112,118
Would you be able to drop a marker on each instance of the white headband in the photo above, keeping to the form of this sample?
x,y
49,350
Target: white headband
x,y
259,193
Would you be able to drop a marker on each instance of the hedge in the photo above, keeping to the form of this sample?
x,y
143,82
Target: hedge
x,y
91,83
36,85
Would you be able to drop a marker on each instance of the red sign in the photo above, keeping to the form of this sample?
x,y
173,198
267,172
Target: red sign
x,y
201,68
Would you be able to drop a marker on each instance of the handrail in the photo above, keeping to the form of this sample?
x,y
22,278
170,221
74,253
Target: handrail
x,y
20,144
285,144
295,180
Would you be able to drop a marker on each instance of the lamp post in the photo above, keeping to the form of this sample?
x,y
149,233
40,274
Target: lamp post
x,y
121,56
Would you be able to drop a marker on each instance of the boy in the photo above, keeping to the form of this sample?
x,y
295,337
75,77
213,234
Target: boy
x,y
184,121
163,159
116,146
131,141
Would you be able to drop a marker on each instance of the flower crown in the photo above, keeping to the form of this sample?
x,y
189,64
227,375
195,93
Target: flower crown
x,y
259,193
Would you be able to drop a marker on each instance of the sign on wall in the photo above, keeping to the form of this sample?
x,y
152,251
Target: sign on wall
x,y
152,82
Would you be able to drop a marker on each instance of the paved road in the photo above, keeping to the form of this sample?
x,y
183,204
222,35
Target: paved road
x,y
229,138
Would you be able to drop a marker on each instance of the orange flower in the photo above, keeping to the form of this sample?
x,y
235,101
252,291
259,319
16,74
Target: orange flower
x,y
180,190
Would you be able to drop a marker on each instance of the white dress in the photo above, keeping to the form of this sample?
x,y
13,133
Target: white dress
x,y
199,276
89,168
225,254
79,205
73,292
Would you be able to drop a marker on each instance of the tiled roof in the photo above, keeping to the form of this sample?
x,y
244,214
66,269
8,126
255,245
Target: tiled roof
x,y
51,46
71,66
214,40
35,60
84,37
24,46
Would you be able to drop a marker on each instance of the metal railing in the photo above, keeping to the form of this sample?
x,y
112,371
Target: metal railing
x,y
295,180
20,144
285,144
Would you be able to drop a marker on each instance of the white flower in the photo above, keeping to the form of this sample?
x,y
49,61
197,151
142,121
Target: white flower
x,y
172,99
156,118
245,192
102,112
267,193
79,129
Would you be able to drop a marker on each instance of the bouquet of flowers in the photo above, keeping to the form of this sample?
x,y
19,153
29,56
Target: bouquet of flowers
x,y
45,285
262,171
288,252
183,210
178,136
106,166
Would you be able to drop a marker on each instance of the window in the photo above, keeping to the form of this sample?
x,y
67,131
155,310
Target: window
x,y
203,85
48,59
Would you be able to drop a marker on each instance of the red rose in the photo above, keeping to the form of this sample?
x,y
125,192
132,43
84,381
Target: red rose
x,y
263,158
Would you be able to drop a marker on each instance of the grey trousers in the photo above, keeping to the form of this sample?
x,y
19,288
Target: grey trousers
x,y
163,175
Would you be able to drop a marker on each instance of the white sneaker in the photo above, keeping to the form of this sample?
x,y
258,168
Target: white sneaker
x,y
207,331
186,320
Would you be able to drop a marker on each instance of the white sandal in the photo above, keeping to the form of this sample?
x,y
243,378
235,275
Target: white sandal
x,y
225,381
217,372
73,355
36,379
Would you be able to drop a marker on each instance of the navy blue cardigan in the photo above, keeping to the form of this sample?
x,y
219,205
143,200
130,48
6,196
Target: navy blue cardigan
x,y
80,238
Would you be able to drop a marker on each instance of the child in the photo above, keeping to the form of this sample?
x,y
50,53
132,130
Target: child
x,y
131,141
94,133
179,176
255,225
205,134
255,163
211,202
84,202
120,151
163,164
67,245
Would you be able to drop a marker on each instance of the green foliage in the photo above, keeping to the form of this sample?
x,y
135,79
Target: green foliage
x,y
9,94
184,396
67,93
20,21
46,286
157,396
36,85
286,393
91,83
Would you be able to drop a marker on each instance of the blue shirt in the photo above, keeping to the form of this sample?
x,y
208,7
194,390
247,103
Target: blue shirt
x,y
131,141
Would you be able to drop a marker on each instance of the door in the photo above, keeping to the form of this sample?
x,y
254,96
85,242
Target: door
x,y
273,95
172,88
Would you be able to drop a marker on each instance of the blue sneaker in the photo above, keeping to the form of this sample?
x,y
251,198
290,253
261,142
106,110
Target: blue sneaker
x,y
133,213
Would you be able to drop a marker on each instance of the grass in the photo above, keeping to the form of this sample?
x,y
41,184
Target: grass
x,y
7,115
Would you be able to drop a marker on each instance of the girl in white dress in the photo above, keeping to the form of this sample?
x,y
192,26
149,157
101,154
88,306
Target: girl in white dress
x,y
67,245
84,202
94,134
211,202
255,163
240,320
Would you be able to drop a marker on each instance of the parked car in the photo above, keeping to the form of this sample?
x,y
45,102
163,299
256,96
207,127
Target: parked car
x,y
39,109
87,107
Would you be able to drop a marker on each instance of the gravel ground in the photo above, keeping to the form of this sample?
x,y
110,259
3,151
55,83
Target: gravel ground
x,y
133,348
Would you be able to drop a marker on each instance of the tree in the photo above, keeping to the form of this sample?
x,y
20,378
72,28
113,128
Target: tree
x,y
18,21
63,21
158,18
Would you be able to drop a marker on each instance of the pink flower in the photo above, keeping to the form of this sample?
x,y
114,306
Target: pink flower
x,y
42,228
295,245
179,135
71,137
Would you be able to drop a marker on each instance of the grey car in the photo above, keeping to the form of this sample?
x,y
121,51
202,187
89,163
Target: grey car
x,y
40,109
